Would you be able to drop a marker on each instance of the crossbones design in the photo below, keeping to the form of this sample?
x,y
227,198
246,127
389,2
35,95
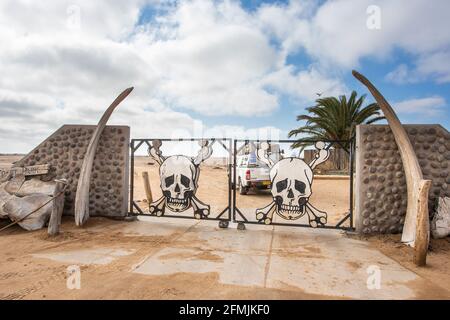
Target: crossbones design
x,y
291,180
179,181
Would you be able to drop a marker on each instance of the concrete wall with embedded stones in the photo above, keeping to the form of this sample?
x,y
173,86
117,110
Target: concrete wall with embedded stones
x,y
380,184
64,150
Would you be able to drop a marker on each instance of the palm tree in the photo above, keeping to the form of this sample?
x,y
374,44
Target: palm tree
x,y
335,119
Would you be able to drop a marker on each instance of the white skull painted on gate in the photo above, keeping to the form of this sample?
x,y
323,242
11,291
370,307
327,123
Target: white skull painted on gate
x,y
179,181
178,177
291,180
291,187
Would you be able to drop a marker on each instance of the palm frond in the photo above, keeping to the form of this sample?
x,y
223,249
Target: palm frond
x,y
335,118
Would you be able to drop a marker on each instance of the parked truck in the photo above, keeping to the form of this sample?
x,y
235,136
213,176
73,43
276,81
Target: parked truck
x,y
252,173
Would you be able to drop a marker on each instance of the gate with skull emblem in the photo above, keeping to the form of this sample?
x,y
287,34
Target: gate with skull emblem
x,y
178,176
289,199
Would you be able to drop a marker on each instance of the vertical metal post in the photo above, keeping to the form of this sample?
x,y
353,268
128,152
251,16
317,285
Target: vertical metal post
x,y
351,180
230,172
233,183
132,177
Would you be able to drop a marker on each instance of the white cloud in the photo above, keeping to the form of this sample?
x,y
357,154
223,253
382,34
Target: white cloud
x,y
401,74
336,35
210,57
430,106
436,65
304,84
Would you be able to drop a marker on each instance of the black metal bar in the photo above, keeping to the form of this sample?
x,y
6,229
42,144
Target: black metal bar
x,y
132,176
138,208
242,147
139,144
148,144
233,183
291,141
223,145
230,184
242,216
343,220
222,212
178,217
352,159
182,139
294,225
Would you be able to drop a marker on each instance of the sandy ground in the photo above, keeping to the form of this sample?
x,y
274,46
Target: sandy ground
x,y
167,259
23,276
27,272
437,269
7,160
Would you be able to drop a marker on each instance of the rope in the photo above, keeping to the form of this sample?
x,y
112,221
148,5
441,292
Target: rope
x,y
40,207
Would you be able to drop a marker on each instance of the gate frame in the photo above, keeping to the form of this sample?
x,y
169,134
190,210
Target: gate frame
x,y
349,215
223,222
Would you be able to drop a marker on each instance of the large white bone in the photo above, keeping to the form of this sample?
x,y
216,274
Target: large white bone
x,y
201,210
84,182
204,153
315,216
157,207
155,152
321,156
266,214
262,153
417,188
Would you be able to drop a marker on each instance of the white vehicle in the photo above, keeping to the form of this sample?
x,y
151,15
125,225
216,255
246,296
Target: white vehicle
x,y
251,173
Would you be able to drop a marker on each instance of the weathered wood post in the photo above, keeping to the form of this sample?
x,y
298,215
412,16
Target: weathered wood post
x,y
422,225
148,190
57,209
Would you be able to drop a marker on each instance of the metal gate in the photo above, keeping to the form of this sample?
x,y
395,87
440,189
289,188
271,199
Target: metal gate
x,y
292,197
178,175
287,193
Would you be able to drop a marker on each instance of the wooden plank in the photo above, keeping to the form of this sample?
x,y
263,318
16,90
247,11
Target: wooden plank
x,y
26,171
36,170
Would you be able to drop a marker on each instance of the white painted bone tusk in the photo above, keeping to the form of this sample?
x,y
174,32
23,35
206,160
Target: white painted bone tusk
x,y
204,153
266,213
157,207
155,152
321,156
84,181
200,209
315,214
262,154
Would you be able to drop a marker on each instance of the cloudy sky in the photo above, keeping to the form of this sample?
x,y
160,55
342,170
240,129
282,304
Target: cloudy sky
x,y
213,68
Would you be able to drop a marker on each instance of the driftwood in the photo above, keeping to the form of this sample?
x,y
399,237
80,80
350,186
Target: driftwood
x,y
34,186
82,194
413,171
423,225
148,190
26,171
57,209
